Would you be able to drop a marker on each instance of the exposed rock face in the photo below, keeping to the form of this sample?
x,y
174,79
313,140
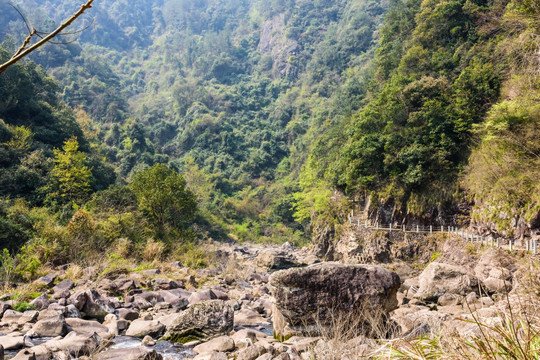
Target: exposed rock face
x,y
204,320
275,43
438,279
305,297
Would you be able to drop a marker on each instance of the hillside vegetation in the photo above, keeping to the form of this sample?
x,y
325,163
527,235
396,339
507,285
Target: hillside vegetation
x,y
170,121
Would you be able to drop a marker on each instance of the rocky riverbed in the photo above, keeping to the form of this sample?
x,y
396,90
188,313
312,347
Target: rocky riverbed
x,y
265,303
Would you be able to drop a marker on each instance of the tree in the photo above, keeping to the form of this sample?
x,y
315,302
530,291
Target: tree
x,y
71,171
25,49
162,195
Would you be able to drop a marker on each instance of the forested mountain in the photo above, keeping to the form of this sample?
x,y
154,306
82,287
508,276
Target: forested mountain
x,y
281,115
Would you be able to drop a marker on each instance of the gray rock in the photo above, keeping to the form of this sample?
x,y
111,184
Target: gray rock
x,y
219,344
12,342
248,318
29,316
87,326
91,303
62,288
72,312
495,269
127,314
141,328
150,296
25,354
202,295
306,298
47,280
201,321
50,327
276,259
76,344
3,307
251,353
438,279
136,353
41,302
11,316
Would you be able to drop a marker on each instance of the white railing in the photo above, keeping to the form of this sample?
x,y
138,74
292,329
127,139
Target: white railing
x,y
530,245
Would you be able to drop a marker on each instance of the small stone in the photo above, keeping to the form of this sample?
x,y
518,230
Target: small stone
x,y
148,341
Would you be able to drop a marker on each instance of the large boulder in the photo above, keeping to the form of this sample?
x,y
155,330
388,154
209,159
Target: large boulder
x,y
201,321
438,279
49,327
315,296
495,269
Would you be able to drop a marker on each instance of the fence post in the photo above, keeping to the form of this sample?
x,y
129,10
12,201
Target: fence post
x,y
417,228
390,227
403,227
535,247
358,224
510,244
498,246
377,225
528,245
430,229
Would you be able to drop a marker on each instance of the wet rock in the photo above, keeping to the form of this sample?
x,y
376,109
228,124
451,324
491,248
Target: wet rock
x,y
438,279
136,353
201,321
141,328
308,297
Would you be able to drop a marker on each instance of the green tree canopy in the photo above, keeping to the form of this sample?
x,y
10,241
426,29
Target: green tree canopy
x,y
71,171
162,195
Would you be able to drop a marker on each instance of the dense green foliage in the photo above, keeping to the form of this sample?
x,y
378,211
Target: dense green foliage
x,y
261,120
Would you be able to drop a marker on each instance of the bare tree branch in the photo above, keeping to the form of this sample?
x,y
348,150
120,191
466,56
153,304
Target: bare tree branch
x,y
24,50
